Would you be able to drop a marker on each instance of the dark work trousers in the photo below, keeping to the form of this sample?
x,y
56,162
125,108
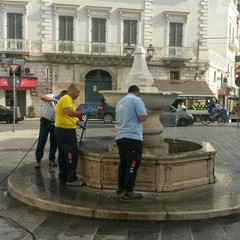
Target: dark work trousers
x,y
67,154
46,128
130,152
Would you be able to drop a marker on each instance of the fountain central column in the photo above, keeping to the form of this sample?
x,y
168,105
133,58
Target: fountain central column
x,y
154,100
153,142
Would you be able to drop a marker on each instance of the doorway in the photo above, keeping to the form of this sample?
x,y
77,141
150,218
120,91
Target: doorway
x,y
95,81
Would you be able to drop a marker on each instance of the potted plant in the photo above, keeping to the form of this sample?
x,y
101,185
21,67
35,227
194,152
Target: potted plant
x,y
31,111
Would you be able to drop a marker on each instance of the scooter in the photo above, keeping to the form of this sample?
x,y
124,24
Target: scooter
x,y
221,117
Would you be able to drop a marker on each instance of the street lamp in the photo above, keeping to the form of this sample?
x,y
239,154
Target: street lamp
x,y
150,51
129,50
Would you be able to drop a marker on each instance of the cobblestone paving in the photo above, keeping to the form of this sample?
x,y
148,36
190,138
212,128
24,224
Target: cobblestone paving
x,y
19,221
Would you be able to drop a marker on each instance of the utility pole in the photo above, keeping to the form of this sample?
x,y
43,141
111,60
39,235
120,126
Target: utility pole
x,y
14,97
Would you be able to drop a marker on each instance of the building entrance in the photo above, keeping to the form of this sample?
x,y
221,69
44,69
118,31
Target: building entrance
x,y
97,80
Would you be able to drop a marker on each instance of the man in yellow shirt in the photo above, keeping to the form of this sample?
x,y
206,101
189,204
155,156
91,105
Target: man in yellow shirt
x,y
65,128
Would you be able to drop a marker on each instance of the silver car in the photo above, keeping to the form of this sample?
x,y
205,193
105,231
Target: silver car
x,y
172,117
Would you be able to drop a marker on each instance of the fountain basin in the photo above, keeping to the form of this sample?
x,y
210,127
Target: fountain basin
x,y
187,165
153,100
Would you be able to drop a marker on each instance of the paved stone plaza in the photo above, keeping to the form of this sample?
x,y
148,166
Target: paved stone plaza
x,y
222,196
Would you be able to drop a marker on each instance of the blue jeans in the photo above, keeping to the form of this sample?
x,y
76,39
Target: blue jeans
x,y
130,153
46,128
67,154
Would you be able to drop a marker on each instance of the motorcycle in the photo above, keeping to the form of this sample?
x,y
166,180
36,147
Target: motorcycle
x,y
221,117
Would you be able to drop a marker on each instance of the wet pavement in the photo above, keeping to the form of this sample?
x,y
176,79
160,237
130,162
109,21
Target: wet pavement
x,y
223,195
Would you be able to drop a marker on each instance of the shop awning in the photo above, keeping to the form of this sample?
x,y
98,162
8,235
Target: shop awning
x,y
26,84
190,89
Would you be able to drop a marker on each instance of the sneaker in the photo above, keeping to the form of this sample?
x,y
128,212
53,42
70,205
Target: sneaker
x,y
119,191
52,163
38,165
75,184
132,195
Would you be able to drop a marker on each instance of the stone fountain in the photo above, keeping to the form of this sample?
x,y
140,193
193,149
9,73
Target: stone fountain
x,y
167,164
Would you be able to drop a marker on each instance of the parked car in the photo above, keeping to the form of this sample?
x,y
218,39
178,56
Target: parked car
x,y
91,106
168,118
106,112
6,115
172,117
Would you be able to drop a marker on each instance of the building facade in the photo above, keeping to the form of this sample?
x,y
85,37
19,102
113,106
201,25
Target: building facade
x,y
90,42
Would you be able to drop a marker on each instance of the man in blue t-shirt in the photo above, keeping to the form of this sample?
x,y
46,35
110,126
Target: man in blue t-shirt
x,y
130,113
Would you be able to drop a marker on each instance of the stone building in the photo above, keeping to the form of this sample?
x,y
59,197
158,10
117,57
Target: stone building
x,y
90,42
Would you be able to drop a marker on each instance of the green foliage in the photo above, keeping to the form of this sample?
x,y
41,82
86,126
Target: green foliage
x,y
31,108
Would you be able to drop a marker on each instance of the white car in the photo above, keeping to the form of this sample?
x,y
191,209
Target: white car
x,y
172,117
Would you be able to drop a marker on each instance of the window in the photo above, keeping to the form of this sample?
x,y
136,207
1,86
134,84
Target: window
x,y
99,30
130,31
99,25
175,27
14,26
175,34
130,27
65,26
214,76
174,75
98,34
14,30
66,33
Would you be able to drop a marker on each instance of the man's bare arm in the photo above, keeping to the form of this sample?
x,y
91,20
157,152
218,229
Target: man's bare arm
x,y
72,113
142,118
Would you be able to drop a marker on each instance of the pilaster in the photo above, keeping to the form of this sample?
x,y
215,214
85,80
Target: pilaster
x,y
148,22
46,20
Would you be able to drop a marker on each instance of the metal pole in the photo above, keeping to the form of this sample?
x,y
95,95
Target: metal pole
x,y
238,107
14,98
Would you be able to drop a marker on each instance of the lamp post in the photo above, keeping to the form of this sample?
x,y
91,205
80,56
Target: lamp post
x,y
129,50
150,51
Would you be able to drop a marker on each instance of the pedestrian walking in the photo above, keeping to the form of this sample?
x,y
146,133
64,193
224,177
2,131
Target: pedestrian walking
x,y
130,113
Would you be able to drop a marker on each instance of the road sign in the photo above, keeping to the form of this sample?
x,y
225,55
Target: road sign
x,y
14,67
237,81
238,70
11,81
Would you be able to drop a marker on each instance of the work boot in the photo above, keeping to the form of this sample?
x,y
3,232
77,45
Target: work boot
x,y
52,163
75,184
38,165
119,191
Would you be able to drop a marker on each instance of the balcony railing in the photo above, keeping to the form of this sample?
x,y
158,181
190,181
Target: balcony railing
x,y
83,48
177,53
15,45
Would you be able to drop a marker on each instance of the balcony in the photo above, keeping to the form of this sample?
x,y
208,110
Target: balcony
x,y
65,47
233,44
177,53
15,46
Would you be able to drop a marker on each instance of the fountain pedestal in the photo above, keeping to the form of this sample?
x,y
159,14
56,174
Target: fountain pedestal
x,y
153,142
